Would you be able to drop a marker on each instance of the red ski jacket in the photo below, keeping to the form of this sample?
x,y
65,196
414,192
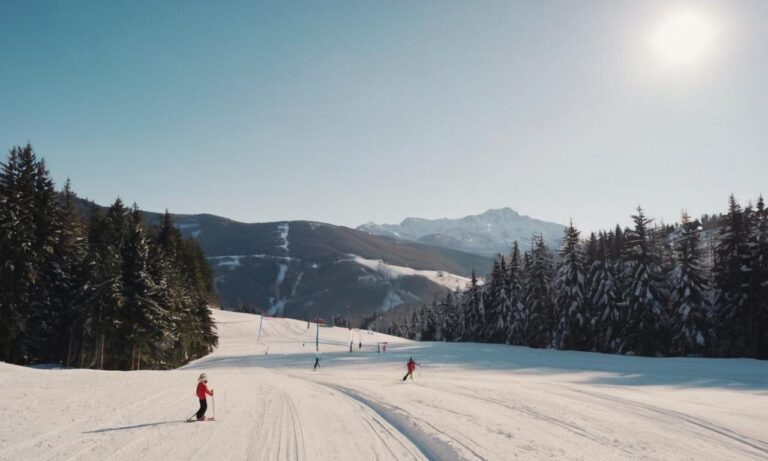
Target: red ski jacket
x,y
411,366
202,389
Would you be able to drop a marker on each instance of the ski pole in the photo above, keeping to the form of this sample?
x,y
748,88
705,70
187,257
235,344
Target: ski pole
x,y
213,402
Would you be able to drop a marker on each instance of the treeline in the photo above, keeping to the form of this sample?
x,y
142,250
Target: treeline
x,y
691,289
95,289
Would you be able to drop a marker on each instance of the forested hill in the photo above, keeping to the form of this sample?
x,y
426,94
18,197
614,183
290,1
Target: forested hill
x,y
103,289
305,270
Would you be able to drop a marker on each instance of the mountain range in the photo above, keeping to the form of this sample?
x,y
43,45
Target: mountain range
x,y
487,234
305,270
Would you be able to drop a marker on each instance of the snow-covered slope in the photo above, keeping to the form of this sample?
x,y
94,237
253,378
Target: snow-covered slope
x,y
486,234
468,401
390,271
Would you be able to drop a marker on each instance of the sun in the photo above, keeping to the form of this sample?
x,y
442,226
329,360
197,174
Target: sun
x,y
683,38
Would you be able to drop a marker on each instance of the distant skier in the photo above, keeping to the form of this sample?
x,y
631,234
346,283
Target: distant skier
x,y
317,362
411,367
202,390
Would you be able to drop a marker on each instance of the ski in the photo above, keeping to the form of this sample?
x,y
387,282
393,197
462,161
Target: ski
x,y
195,420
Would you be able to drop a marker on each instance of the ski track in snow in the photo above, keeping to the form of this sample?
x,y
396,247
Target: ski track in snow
x,y
467,401
278,301
283,229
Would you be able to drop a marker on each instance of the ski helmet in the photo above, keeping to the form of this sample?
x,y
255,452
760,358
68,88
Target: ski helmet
x,y
203,377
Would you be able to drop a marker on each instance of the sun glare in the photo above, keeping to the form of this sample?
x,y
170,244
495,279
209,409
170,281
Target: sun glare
x,y
683,38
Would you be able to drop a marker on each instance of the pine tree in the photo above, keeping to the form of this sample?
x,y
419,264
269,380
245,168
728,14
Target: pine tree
x,y
761,276
732,303
45,308
415,325
605,302
449,319
472,312
17,247
646,322
690,324
427,316
497,306
571,317
540,301
67,279
517,310
107,300
147,318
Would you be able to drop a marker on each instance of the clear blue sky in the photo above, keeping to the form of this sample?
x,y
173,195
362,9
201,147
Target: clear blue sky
x,y
346,112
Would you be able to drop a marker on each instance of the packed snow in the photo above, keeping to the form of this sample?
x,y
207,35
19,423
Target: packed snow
x,y
467,401
392,272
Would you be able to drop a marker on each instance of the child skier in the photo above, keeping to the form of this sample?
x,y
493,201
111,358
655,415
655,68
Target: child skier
x,y
202,390
411,367
317,362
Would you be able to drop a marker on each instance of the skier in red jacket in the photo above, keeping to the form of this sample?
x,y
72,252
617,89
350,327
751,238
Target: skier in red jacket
x,y
411,367
202,390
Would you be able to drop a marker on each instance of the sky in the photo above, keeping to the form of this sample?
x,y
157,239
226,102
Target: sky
x,y
356,111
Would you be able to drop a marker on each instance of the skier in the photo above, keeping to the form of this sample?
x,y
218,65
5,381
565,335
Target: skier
x,y
202,390
317,362
411,367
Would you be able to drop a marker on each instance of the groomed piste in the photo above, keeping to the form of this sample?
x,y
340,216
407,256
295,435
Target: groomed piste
x,y
467,401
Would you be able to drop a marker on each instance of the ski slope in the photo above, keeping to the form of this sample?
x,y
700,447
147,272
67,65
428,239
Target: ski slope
x,y
468,401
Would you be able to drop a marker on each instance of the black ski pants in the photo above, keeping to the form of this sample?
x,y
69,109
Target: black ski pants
x,y
203,408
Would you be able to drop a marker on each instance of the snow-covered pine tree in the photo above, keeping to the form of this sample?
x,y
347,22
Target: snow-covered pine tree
x,y
731,298
147,318
690,298
605,303
497,305
106,300
540,301
571,317
17,251
427,315
45,308
646,322
69,284
761,278
753,279
450,327
414,326
472,312
591,263
198,282
516,313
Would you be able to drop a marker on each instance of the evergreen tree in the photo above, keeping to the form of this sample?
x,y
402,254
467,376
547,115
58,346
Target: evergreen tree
x,y
68,281
690,325
497,305
472,312
645,327
605,302
761,276
17,251
107,300
45,307
450,317
571,317
427,316
732,303
540,301
517,310
146,318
